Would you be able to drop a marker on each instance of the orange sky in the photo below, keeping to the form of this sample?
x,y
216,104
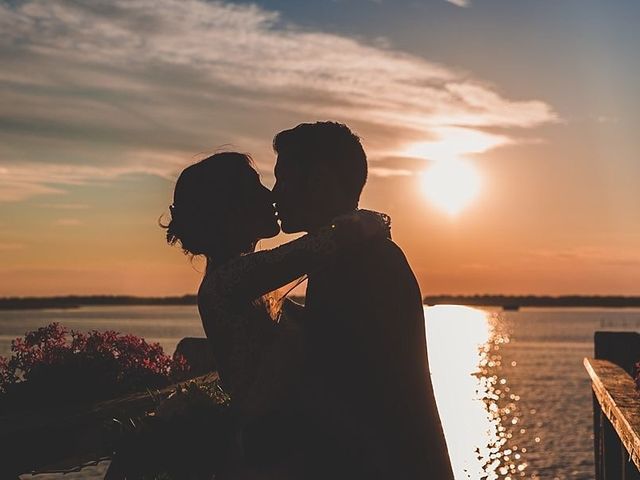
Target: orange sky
x,y
99,115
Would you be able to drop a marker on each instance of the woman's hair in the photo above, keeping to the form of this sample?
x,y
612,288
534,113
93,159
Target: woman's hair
x,y
203,192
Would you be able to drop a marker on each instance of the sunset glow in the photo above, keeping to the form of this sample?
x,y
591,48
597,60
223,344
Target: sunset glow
x,y
303,180
451,185
452,107
457,342
452,143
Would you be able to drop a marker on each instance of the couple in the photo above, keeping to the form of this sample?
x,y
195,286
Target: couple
x,y
339,388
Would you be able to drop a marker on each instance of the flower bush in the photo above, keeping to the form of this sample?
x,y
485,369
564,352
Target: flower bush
x,y
53,366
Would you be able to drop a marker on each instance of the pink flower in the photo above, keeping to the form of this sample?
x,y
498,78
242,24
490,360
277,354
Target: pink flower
x,y
88,366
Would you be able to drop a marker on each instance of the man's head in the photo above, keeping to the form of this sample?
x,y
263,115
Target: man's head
x,y
320,172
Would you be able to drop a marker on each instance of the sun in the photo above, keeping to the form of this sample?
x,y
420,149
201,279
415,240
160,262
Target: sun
x,y
452,182
451,185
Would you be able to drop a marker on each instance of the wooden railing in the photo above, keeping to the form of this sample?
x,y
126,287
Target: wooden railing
x,y
616,405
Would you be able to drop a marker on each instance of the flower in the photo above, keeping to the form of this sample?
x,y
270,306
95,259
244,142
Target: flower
x,y
54,366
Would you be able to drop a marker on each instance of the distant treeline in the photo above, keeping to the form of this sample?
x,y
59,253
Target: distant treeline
x,y
534,300
73,301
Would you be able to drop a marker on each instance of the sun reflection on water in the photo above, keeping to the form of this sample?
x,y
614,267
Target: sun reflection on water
x,y
479,411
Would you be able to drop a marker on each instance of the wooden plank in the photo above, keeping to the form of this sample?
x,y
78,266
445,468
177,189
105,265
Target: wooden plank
x,y
619,400
611,457
598,446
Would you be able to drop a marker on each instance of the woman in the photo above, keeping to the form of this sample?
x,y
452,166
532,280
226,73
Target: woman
x,y
221,210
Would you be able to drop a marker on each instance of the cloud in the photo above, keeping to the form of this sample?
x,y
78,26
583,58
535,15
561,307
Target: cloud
x,y
460,3
389,172
94,90
451,143
20,181
606,119
65,206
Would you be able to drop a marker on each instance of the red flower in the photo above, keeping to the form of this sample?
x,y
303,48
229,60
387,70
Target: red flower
x,y
49,362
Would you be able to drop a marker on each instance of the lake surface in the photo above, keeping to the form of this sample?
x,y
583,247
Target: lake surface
x,y
513,395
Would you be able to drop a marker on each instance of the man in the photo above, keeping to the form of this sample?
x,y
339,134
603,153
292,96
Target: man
x,y
367,398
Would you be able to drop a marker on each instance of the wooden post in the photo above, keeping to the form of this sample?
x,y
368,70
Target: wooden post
x,y
611,457
630,470
621,348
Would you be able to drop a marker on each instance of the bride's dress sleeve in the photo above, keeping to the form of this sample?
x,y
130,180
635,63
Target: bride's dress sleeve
x,y
239,344
250,276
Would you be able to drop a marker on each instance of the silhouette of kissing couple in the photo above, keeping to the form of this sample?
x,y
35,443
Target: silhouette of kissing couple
x,y
337,388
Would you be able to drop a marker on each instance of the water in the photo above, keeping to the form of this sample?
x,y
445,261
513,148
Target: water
x,y
163,324
520,405
513,395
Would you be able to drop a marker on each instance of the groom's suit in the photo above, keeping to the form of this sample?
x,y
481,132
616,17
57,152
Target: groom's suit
x,y
369,400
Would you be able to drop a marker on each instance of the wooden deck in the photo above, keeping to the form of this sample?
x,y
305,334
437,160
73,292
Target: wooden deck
x,y
616,405
619,400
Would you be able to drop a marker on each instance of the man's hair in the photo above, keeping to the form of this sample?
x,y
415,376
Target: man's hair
x,y
332,143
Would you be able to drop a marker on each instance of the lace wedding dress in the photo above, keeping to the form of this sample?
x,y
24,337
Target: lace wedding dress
x,y
256,343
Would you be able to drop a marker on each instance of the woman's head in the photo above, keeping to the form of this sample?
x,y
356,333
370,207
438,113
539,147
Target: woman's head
x,y
220,208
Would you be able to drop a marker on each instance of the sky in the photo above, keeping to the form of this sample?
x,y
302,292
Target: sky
x,y
501,134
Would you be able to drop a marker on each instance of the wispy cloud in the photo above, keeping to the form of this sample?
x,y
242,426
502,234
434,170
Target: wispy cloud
x,y
389,172
606,119
65,206
452,143
19,181
94,90
460,3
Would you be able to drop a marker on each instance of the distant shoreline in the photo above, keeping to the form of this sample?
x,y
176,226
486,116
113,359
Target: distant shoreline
x,y
512,302
76,301
508,302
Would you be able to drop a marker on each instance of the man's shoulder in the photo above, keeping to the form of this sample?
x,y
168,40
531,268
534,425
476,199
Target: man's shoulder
x,y
374,280
383,252
375,262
